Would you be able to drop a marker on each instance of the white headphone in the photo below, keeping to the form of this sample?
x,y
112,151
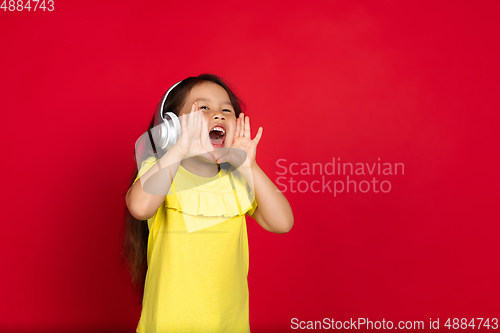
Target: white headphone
x,y
167,127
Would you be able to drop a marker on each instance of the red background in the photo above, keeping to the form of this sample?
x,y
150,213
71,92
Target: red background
x,y
407,82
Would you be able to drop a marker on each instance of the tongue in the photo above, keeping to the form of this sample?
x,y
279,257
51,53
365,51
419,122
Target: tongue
x,y
216,138
218,141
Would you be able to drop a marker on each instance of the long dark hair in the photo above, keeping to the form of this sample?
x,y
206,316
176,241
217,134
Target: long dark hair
x,y
136,233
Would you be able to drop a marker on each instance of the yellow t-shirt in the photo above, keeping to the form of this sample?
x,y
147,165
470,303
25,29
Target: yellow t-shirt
x,y
198,256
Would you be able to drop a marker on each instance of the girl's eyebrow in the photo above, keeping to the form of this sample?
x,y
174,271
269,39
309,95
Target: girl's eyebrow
x,y
209,100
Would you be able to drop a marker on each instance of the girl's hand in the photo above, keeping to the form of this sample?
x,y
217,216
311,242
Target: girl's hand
x,y
243,143
194,137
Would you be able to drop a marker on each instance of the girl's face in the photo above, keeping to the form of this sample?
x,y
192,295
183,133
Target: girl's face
x,y
218,112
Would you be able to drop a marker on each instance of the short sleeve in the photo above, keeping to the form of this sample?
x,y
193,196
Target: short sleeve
x,y
145,166
252,209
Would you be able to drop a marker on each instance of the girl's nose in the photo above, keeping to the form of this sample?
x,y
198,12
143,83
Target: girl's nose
x,y
218,115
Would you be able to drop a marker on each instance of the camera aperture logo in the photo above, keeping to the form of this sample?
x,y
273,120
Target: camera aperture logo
x,y
337,177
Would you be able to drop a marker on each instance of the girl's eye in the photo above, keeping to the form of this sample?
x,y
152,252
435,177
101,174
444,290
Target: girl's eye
x,y
206,108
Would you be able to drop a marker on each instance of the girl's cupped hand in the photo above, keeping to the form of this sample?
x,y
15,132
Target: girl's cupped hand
x,y
194,139
246,148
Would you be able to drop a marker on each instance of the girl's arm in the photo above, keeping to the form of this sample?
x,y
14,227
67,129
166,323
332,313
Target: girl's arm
x,y
143,203
273,211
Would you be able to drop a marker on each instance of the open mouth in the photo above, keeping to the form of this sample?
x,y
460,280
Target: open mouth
x,y
217,136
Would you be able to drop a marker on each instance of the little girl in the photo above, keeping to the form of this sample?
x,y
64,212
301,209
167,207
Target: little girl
x,y
195,197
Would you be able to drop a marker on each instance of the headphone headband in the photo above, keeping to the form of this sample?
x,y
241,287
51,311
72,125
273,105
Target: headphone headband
x,y
165,99
159,116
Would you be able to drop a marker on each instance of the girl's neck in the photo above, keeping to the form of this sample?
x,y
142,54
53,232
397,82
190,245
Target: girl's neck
x,y
200,168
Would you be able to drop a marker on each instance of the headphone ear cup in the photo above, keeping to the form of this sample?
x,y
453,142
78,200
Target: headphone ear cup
x,y
176,126
167,127
165,135
158,137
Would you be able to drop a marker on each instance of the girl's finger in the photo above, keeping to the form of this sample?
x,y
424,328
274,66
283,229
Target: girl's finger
x,y
196,119
205,137
183,123
242,124
194,112
202,124
190,121
237,131
258,136
247,127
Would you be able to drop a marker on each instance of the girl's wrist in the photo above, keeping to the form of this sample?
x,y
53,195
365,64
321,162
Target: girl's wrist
x,y
172,156
250,165
182,153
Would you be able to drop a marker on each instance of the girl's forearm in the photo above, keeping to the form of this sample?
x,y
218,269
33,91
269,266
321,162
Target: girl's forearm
x,y
144,202
275,211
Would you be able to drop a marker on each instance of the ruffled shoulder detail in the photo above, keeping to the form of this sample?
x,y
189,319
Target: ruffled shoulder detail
x,y
145,166
226,195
